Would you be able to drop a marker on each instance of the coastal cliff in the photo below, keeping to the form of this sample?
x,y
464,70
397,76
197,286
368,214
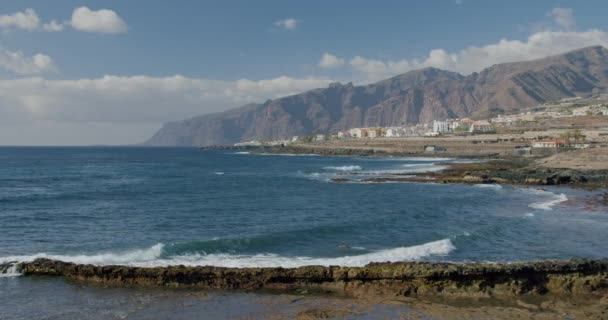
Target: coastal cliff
x,y
560,277
418,96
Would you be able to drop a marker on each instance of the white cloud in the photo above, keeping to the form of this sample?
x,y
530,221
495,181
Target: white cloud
x,y
328,60
288,24
17,62
563,17
53,26
472,59
26,20
136,99
101,21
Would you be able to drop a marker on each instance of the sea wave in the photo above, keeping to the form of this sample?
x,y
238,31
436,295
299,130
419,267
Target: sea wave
x,y
409,168
8,270
344,168
489,186
153,257
554,200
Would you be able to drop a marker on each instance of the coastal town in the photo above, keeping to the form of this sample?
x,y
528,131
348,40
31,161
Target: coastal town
x,y
567,124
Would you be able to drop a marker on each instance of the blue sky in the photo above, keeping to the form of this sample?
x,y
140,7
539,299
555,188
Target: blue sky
x,y
122,75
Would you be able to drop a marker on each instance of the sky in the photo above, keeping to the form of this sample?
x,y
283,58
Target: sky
x,y
112,72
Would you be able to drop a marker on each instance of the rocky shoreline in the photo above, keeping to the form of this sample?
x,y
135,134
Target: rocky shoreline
x,y
494,169
514,172
384,280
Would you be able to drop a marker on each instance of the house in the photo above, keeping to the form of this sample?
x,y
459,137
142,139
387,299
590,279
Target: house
x,y
320,137
372,133
580,145
441,127
356,132
547,144
344,134
482,127
295,138
434,148
395,132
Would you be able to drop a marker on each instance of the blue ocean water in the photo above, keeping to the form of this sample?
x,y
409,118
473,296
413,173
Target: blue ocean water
x,y
162,206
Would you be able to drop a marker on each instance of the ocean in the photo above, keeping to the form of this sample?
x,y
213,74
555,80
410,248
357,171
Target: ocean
x,y
168,206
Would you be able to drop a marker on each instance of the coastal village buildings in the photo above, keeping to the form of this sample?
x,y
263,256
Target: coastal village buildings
x,y
482,127
344,134
565,108
553,144
356,133
441,127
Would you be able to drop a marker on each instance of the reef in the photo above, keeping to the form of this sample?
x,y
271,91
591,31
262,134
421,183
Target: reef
x,y
409,279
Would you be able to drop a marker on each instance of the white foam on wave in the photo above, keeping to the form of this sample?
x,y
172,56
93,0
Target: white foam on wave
x,y
289,154
431,159
554,200
10,271
219,173
131,257
151,257
489,186
242,152
411,168
344,168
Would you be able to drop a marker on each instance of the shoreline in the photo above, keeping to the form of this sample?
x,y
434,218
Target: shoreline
x,y
496,169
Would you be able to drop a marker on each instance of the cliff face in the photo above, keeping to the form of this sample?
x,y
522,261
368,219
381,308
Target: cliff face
x,y
415,97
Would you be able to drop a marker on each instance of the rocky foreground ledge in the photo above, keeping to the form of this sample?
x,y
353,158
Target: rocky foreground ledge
x,y
415,279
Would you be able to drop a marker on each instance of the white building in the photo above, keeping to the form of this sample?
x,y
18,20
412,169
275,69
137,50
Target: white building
x,y
441,127
356,133
395,132
372,133
547,144
320,137
482,127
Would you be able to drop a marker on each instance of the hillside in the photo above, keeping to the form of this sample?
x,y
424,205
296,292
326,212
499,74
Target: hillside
x,y
414,97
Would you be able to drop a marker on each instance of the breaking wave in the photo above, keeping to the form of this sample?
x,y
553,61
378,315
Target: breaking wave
x,y
344,168
554,200
489,186
153,257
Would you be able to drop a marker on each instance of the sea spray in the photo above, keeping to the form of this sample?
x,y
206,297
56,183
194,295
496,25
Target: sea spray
x,y
549,204
344,168
152,257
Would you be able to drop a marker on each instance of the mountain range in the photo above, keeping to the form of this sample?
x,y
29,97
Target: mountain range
x,y
419,96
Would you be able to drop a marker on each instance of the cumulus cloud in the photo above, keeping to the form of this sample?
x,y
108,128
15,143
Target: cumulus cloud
x,y
53,26
100,21
328,60
26,20
563,17
288,24
17,62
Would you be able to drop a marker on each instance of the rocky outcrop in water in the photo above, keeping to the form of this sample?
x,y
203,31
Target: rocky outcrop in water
x,y
377,279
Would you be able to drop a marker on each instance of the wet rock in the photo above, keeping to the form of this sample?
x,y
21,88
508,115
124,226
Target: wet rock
x,y
380,279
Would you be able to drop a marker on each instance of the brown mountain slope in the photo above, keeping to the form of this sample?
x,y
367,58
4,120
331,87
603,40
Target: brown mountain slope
x,y
415,97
